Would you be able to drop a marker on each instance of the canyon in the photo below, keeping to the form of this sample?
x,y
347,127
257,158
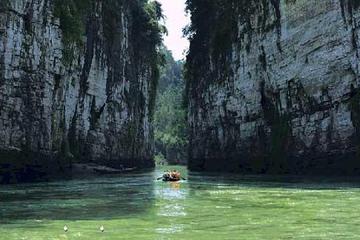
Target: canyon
x,y
272,86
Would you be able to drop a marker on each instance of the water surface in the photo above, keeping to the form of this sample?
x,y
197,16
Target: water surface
x,y
205,206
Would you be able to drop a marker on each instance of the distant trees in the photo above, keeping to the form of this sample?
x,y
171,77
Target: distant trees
x,y
170,115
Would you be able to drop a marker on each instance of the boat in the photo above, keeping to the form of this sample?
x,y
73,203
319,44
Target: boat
x,y
171,176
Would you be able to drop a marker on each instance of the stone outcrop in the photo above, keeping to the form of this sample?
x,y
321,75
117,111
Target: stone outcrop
x,y
273,86
77,83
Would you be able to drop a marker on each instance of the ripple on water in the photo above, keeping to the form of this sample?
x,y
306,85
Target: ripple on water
x,y
203,207
173,210
223,207
174,228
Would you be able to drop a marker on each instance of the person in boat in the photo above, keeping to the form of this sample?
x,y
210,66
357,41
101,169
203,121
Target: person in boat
x,y
171,176
175,175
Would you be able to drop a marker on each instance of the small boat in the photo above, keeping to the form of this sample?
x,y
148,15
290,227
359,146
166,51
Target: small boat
x,y
171,176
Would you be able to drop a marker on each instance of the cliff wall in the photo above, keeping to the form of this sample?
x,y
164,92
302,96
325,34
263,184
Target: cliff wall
x,y
273,86
77,83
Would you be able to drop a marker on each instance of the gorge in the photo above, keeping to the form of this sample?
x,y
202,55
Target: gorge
x,y
272,86
110,130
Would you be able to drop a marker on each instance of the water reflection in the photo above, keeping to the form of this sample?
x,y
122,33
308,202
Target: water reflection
x,y
99,198
198,181
171,192
171,198
175,228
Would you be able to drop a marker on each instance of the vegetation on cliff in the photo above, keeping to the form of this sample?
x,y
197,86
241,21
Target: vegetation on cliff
x,y
105,45
219,26
236,47
150,41
72,15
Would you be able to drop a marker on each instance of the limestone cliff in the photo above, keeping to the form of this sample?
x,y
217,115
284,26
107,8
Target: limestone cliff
x,y
273,86
77,83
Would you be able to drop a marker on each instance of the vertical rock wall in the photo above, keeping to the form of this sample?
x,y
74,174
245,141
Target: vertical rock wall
x,y
72,96
273,86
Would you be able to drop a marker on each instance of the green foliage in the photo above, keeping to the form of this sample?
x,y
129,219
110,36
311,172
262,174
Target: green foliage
x,y
146,31
145,35
148,39
214,31
170,115
160,159
214,24
170,73
149,31
153,89
170,118
72,15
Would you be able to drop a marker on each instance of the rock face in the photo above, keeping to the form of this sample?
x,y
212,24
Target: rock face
x,y
274,87
67,95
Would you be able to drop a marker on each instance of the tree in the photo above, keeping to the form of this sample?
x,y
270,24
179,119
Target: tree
x,y
170,115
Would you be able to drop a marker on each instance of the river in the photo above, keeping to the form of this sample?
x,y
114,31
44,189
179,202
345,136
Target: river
x,y
205,206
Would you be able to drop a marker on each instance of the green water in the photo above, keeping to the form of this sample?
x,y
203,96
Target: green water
x,y
136,206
